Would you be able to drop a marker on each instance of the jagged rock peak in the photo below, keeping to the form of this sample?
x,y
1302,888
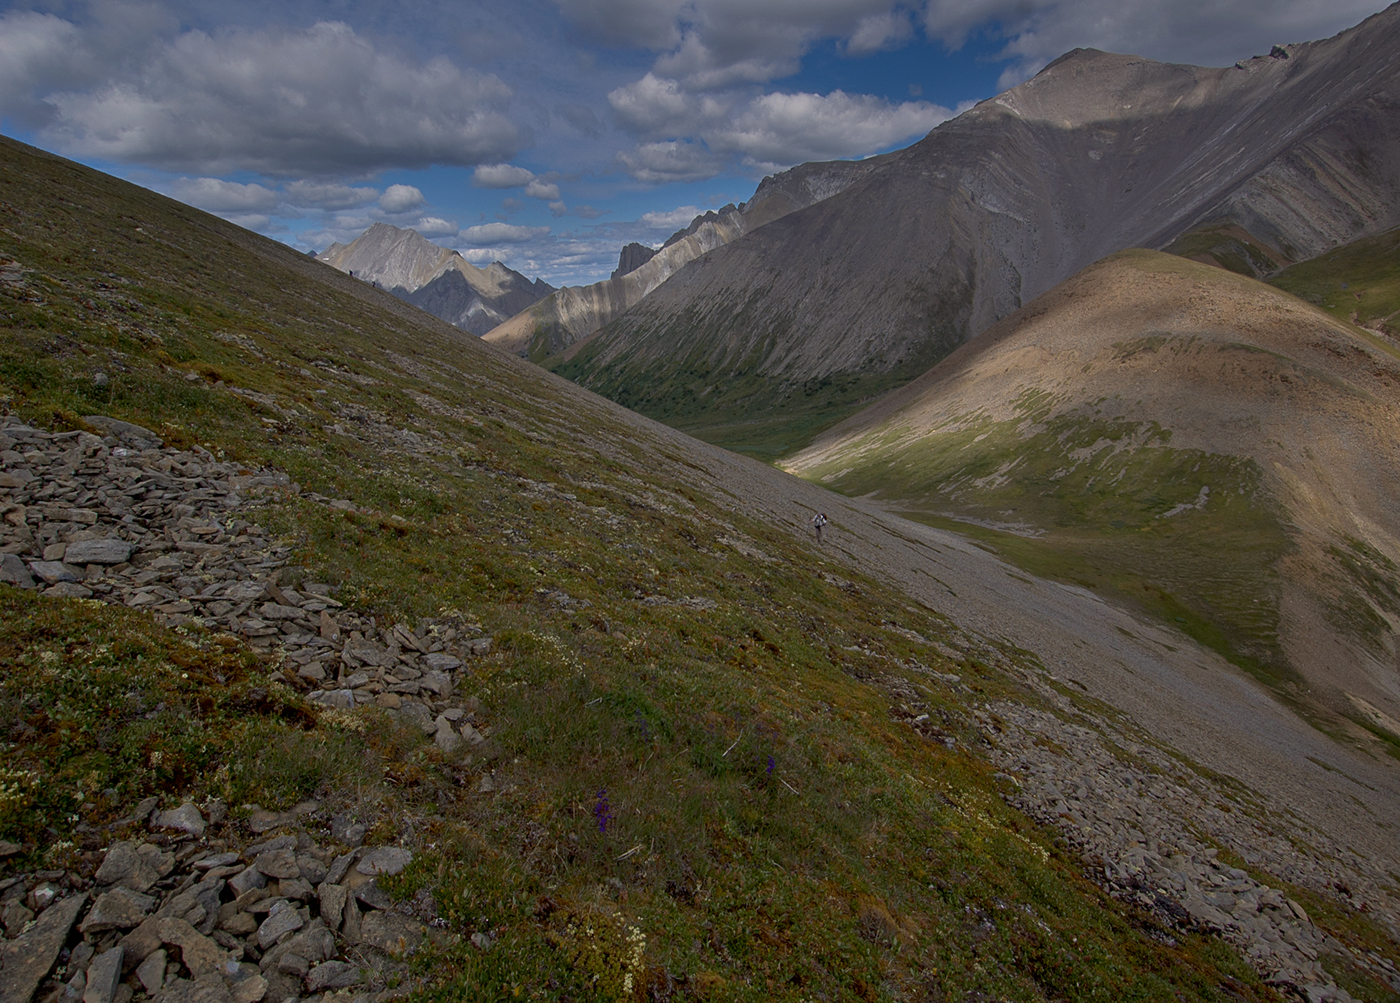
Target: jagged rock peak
x,y
633,256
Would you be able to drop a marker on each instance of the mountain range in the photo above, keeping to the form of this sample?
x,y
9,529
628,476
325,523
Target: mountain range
x,y
571,314
435,278
761,342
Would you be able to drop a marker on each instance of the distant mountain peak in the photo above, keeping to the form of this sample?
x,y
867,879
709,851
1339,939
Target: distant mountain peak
x,y
438,279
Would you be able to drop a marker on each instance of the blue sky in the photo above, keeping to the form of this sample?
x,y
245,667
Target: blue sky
x,y
544,133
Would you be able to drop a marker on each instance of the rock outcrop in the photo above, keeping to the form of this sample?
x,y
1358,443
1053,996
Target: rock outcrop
x,y
632,257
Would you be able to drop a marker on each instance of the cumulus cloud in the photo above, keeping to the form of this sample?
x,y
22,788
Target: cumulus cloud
x,y
331,197
543,190
435,226
673,160
787,129
214,195
314,101
669,221
401,198
502,233
501,176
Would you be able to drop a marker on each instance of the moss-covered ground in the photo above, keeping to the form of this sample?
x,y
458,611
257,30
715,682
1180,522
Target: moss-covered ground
x,y
700,786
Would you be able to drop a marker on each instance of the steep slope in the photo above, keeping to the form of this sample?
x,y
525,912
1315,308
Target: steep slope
x,y
573,313
436,279
704,755
1189,441
762,341
1359,282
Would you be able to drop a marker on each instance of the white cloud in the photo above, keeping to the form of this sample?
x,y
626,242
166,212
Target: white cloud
x,y
673,160
669,221
538,189
501,176
33,48
880,31
310,101
558,209
214,195
328,196
787,129
502,233
401,198
435,226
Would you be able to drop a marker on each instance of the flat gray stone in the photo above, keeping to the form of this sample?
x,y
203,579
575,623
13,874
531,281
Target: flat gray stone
x,y
248,990
332,975
281,921
447,739
97,552
151,972
276,611
200,954
119,909
439,682
69,590
278,864
244,591
14,572
128,866
342,699
123,429
185,818
52,572
103,975
246,880
26,960
384,860
441,661
216,860
333,904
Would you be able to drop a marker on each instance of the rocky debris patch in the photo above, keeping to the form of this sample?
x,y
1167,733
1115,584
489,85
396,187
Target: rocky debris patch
x,y
125,519
175,914
1152,831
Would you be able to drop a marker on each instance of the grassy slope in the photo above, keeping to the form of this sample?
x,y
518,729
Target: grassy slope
x,y
762,416
1076,489
1359,282
769,831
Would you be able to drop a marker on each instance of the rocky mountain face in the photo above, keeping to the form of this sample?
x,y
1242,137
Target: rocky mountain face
x,y
573,313
1299,150
436,279
632,257
1184,440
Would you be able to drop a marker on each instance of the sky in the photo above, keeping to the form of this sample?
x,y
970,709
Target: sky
x,y
545,133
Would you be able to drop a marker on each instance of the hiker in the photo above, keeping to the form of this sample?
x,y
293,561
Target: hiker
x,y
818,521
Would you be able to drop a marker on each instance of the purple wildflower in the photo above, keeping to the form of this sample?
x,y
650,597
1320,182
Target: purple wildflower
x,y
771,764
602,811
